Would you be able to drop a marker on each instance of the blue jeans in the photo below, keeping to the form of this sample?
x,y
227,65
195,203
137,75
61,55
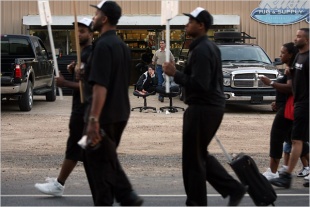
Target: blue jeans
x,y
287,147
159,71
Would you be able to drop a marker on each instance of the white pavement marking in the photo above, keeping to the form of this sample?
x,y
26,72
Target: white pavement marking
x,y
147,195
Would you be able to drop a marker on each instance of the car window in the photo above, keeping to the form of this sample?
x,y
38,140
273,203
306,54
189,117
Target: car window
x,y
16,46
43,49
243,54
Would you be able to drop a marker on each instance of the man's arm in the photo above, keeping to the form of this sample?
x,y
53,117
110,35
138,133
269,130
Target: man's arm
x,y
62,82
98,100
154,59
172,58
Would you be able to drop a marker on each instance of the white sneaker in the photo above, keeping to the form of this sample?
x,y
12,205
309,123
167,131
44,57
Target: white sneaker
x,y
51,187
282,169
306,178
270,175
303,172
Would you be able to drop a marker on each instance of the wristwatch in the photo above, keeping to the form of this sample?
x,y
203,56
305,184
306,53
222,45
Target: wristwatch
x,y
271,83
93,119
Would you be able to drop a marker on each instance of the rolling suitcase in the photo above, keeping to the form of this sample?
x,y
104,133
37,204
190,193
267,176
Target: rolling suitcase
x,y
259,188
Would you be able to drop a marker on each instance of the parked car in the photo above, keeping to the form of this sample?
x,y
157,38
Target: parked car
x,y
26,70
242,64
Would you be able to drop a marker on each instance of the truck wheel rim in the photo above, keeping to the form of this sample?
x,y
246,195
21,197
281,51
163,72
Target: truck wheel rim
x,y
30,98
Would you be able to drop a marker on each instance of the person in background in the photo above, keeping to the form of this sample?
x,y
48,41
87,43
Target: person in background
x,y
300,83
158,59
108,110
148,81
56,186
146,60
202,80
147,56
173,86
281,126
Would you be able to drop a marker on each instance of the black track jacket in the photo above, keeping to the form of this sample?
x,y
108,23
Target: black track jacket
x,y
202,79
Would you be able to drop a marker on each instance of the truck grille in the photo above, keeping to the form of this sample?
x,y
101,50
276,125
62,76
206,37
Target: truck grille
x,y
250,80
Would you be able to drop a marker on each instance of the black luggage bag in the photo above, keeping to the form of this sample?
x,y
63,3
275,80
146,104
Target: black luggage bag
x,y
259,188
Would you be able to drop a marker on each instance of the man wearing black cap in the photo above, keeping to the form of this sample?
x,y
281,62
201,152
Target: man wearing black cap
x,y
108,111
56,186
202,81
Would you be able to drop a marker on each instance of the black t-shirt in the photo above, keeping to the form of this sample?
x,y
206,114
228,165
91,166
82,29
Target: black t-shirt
x,y
110,67
281,97
203,77
77,106
301,79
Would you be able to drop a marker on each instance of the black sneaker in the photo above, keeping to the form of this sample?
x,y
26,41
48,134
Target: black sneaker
x,y
161,98
284,180
132,200
236,197
306,184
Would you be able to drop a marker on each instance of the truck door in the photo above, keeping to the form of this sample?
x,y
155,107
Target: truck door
x,y
43,63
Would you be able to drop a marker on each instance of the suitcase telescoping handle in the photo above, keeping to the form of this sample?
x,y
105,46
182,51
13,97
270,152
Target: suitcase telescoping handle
x,y
228,156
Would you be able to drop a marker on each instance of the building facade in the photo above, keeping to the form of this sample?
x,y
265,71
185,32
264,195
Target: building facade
x,y
272,23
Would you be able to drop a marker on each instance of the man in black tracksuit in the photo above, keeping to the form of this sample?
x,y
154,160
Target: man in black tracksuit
x,y
202,81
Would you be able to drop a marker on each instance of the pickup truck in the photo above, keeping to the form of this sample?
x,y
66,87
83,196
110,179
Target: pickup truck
x,y
242,64
26,70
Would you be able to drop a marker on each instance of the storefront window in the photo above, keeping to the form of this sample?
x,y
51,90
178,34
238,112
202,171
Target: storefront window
x,y
64,40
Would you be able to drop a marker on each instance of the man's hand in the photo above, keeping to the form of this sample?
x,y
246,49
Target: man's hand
x,y
79,72
71,67
60,81
93,135
169,68
274,106
265,80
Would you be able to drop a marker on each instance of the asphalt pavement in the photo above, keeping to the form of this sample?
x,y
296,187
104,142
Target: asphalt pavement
x,y
157,189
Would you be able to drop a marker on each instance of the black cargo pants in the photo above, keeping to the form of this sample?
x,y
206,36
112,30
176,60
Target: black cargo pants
x,y
200,124
106,178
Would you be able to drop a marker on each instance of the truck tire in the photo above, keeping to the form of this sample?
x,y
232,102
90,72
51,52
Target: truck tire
x,y
51,95
25,102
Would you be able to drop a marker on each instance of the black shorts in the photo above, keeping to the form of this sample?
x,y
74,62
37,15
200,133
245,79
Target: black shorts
x,y
280,131
76,127
300,129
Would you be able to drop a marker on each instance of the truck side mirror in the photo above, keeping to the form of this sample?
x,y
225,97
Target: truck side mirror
x,y
277,61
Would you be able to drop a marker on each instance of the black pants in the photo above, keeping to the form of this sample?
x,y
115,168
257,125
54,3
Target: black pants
x,y
200,124
105,175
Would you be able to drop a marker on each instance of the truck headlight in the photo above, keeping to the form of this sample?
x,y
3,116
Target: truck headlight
x,y
226,81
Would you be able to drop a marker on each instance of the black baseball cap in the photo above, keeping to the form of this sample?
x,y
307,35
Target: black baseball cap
x,y
201,15
111,9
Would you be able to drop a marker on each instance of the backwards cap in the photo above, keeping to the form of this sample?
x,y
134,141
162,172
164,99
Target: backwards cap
x,y
85,21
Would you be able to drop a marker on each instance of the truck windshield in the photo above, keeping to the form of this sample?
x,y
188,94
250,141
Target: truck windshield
x,y
15,46
244,53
